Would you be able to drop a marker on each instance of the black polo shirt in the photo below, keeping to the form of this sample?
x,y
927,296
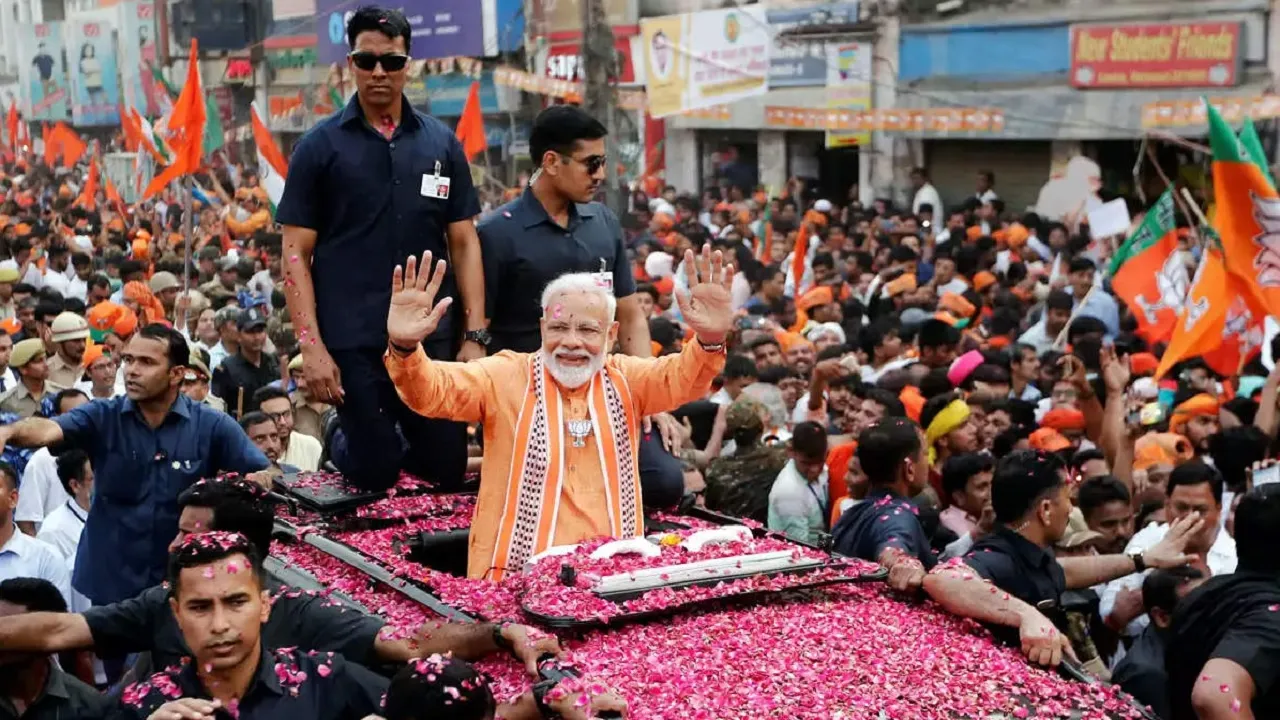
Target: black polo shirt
x,y
884,519
298,619
1231,617
63,698
235,373
289,685
1141,672
1018,566
362,194
524,250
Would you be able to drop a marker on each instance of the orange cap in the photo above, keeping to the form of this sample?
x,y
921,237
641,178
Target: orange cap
x,y
1161,449
983,280
1143,363
11,326
1063,419
1048,440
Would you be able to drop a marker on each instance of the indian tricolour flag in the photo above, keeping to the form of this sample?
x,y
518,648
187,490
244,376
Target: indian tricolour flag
x,y
272,168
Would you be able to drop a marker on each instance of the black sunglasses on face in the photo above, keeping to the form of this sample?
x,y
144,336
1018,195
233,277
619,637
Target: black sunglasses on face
x,y
592,163
391,62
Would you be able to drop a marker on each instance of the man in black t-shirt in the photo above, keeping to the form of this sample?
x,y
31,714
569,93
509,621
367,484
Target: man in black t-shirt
x,y
1227,632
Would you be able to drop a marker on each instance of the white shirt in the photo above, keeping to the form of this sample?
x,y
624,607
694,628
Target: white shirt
x,y
34,276
62,527
304,452
262,284
796,506
720,397
1037,336
957,286
86,387
928,195
40,491
216,355
25,556
57,281
9,378
1221,560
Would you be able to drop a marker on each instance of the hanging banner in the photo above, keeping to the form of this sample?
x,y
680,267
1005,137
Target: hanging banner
x,y
706,58
44,73
1188,113
137,41
91,62
907,121
849,88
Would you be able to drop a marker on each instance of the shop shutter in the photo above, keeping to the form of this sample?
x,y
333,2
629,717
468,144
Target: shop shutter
x,y
1021,168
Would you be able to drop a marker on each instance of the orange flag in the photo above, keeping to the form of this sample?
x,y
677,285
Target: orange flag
x,y
1247,218
186,128
470,129
11,124
47,137
113,195
1153,283
64,141
89,196
132,131
1203,315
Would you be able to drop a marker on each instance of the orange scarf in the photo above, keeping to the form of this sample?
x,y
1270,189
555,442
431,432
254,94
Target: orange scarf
x,y
149,308
528,523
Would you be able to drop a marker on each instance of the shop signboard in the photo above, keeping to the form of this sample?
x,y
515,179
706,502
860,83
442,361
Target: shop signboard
x,y
440,28
796,61
711,57
1156,55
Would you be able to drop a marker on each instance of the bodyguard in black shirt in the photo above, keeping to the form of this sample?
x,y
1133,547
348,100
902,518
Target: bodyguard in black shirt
x,y
32,686
1032,502
1141,672
220,600
884,527
1224,657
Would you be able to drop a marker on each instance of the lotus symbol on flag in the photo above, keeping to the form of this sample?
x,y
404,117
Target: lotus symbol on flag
x,y
1266,211
1240,323
1173,284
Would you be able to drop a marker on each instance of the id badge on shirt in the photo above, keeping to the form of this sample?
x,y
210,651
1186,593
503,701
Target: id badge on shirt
x,y
604,278
435,186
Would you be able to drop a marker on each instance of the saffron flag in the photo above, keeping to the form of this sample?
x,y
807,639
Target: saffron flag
x,y
272,167
1203,315
88,198
1153,282
470,130
186,129
11,124
62,141
113,195
1247,218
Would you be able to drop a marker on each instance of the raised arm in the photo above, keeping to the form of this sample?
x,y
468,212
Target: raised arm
x,y
44,632
454,391
32,432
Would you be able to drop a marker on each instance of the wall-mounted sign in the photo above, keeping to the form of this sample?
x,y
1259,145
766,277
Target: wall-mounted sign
x,y
1156,55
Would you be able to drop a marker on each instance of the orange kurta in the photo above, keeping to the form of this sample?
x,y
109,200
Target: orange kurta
x,y
491,391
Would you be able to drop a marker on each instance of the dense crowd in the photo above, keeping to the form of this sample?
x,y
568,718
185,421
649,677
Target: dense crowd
x,y
958,395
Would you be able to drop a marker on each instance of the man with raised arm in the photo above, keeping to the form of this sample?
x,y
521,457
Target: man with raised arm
x,y
561,424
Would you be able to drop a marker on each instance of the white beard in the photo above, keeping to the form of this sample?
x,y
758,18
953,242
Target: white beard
x,y
571,377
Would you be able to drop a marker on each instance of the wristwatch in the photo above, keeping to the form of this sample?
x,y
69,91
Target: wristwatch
x,y
1139,565
480,336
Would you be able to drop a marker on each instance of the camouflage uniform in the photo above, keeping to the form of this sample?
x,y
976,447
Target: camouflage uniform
x,y
739,484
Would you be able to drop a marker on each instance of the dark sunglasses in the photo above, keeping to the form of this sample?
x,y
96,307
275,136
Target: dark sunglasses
x,y
592,163
391,62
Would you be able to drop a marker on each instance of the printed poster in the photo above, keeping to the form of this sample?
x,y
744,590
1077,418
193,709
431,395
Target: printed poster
x,y
43,70
729,55
849,88
137,56
666,65
91,63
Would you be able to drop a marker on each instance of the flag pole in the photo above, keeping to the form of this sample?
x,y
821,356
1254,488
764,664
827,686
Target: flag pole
x,y
188,230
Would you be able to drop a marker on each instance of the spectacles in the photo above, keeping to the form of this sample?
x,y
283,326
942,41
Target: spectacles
x,y
278,416
592,163
391,62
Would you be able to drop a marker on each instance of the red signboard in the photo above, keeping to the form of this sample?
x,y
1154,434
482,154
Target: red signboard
x,y
564,63
1156,55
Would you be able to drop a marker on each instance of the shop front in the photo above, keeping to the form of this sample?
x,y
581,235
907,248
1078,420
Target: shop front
x,y
1070,88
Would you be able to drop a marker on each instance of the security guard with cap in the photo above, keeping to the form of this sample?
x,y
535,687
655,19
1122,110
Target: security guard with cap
x,y
26,397
8,307
68,332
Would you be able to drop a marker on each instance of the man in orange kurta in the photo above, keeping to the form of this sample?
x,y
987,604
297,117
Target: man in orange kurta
x,y
561,425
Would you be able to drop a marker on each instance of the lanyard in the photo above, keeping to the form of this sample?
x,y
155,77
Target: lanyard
x,y
71,505
821,505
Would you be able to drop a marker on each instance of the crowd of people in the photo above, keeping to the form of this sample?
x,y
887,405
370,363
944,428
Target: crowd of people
x,y
956,395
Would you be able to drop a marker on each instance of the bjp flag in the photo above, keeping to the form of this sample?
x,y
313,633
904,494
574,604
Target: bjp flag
x,y
1148,272
1247,217
1242,332
1199,325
